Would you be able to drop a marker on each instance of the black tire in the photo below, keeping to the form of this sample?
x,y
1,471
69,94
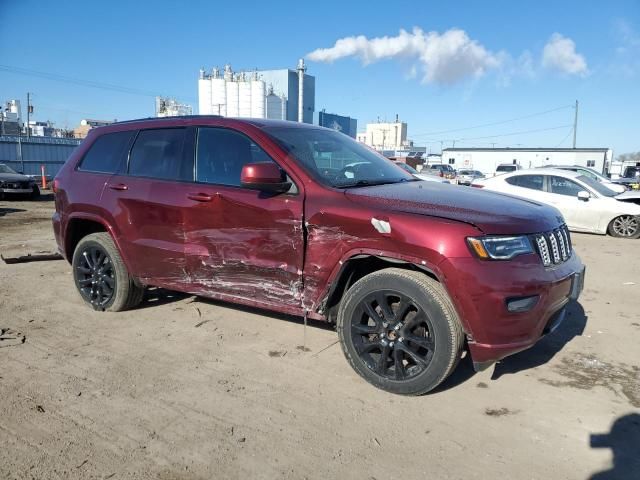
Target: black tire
x,y
625,226
101,276
429,327
35,193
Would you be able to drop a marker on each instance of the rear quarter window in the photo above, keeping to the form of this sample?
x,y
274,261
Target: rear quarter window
x,y
106,153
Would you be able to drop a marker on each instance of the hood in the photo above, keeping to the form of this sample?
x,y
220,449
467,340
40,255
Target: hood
x,y
14,177
491,212
628,195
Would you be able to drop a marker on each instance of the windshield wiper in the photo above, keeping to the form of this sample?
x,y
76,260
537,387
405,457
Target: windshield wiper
x,y
371,183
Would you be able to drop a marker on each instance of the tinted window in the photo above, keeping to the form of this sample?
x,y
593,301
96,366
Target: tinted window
x,y
158,154
533,182
564,186
506,168
106,153
222,153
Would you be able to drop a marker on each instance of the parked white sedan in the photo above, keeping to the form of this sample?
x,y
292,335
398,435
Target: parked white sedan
x,y
587,205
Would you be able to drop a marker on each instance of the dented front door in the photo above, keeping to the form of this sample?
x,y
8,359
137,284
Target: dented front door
x,y
241,245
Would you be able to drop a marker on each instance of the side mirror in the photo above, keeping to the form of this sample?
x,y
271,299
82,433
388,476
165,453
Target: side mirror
x,y
584,196
264,176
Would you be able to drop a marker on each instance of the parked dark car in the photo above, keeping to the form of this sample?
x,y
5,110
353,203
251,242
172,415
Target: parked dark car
x,y
14,183
304,220
441,169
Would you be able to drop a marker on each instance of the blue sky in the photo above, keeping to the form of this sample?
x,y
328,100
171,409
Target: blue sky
x,y
490,67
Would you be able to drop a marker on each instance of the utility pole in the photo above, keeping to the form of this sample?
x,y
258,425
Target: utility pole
x,y
575,125
28,114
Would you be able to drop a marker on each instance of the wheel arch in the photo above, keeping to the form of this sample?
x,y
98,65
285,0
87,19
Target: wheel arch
x,y
81,225
358,266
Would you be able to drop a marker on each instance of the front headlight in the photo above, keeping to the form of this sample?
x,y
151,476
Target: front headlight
x,y
499,247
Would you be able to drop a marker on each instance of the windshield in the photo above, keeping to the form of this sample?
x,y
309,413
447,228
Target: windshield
x,y
597,186
5,169
337,160
407,168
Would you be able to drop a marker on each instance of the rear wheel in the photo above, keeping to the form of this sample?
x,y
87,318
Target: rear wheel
x,y
101,276
399,331
625,226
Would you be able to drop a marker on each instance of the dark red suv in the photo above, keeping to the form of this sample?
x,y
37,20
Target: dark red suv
x,y
303,220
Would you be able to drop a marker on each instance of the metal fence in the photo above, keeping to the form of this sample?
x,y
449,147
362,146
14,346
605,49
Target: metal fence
x,y
27,154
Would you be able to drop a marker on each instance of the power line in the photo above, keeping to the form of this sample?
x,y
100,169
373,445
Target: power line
x,y
565,138
86,83
522,132
494,123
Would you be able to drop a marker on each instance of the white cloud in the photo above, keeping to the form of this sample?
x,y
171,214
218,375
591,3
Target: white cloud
x,y
445,58
560,54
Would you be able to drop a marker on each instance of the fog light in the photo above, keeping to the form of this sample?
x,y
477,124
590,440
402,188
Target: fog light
x,y
521,304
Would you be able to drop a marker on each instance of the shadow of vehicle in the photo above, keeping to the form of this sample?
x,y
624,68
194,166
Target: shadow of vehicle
x,y
463,372
548,347
45,196
624,442
7,211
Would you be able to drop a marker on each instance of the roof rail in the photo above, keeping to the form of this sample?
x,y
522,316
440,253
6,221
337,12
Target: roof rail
x,y
177,117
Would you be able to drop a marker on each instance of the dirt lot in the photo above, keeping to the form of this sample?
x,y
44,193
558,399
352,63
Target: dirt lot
x,y
186,388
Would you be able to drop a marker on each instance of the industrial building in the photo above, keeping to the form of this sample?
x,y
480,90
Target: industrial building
x,y
170,107
11,118
283,94
385,136
487,159
346,125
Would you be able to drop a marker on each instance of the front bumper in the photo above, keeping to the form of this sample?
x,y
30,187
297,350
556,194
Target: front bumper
x,y
480,291
16,190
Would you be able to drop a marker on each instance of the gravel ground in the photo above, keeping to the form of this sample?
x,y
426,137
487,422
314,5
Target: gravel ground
x,y
187,388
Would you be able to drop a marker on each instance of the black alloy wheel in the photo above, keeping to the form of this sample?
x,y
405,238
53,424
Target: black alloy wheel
x,y
95,276
399,331
392,335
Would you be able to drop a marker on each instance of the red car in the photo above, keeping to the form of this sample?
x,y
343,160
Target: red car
x,y
303,220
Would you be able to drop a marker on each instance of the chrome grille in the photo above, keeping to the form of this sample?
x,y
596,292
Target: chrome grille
x,y
554,247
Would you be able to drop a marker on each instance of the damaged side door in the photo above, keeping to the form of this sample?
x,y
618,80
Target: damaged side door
x,y
241,244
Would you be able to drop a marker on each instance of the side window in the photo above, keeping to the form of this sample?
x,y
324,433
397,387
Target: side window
x,y
534,182
564,186
221,153
106,153
158,154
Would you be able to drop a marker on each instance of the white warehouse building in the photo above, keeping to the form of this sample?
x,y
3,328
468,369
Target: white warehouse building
x,y
384,136
487,160
278,94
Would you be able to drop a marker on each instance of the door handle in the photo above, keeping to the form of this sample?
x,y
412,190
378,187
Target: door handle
x,y
118,186
200,197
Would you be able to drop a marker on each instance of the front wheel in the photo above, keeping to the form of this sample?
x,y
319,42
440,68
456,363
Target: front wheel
x,y
35,193
101,276
399,331
625,226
